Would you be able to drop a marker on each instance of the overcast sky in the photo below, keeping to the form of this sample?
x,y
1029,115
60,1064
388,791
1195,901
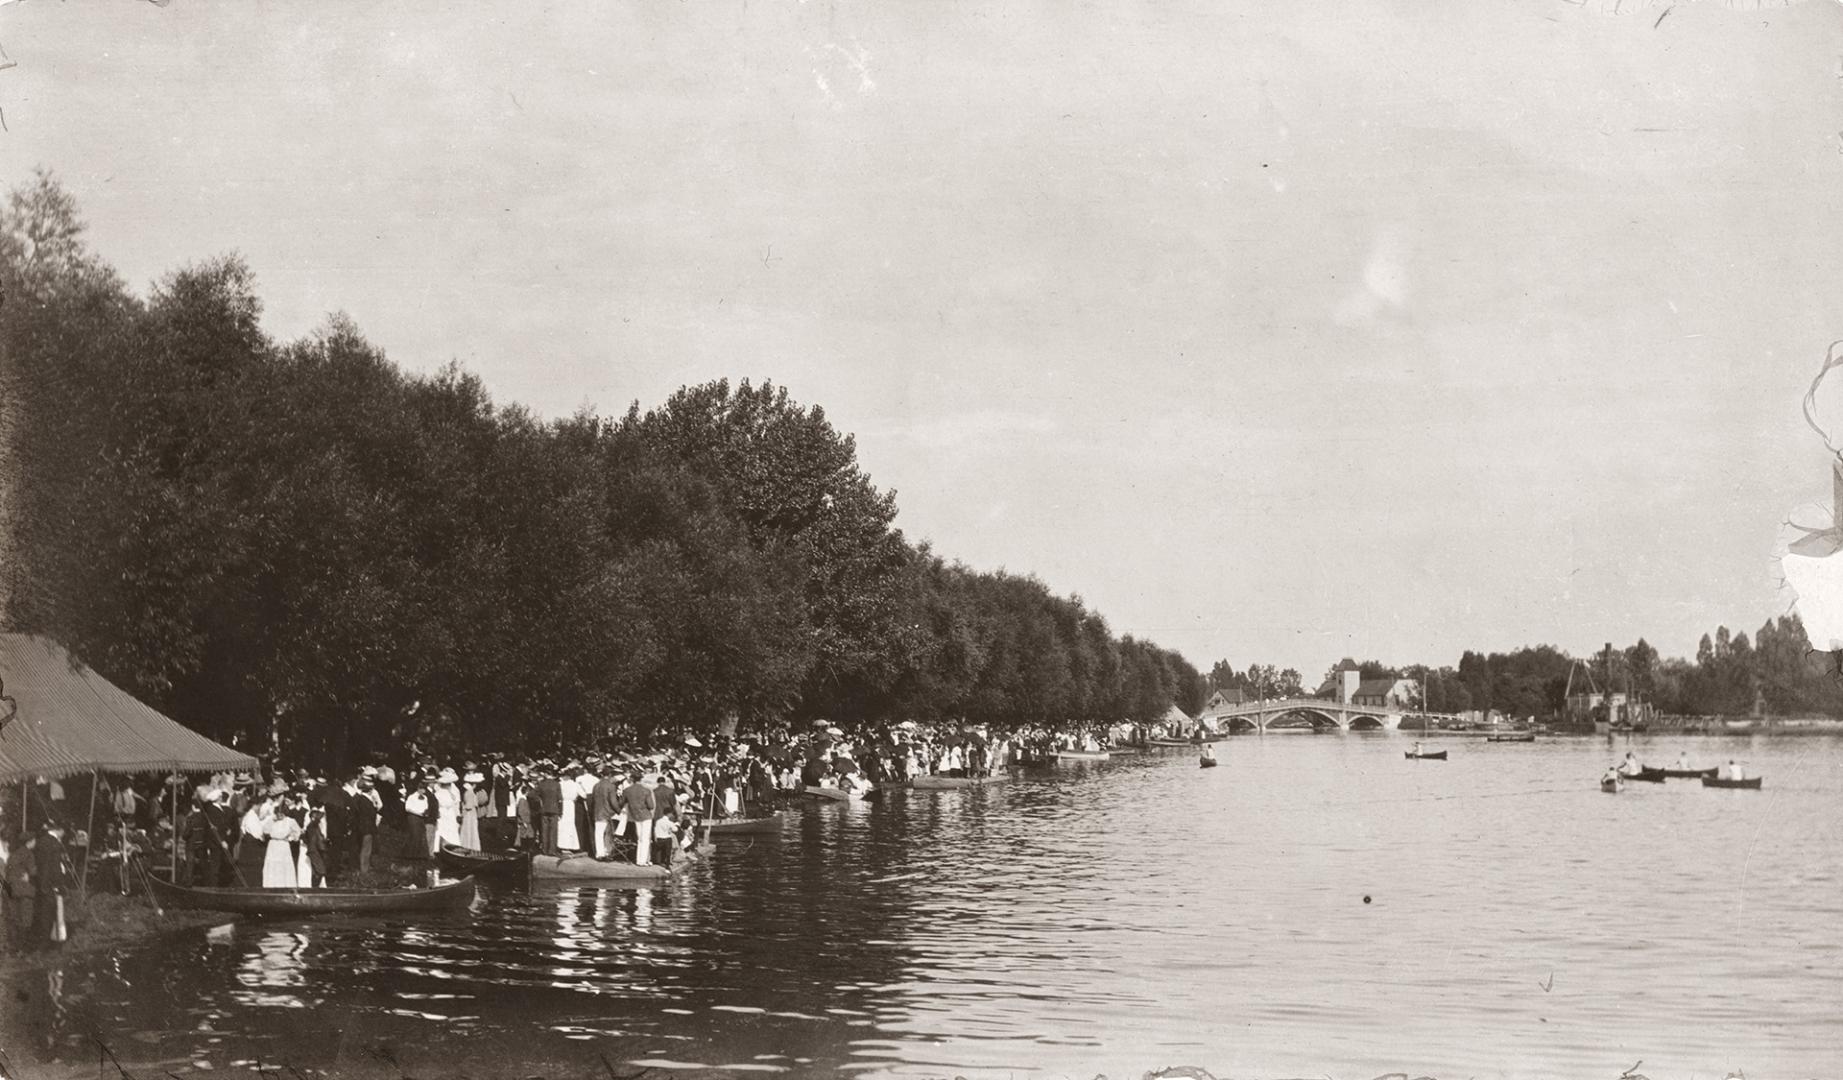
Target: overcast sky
x,y
1277,331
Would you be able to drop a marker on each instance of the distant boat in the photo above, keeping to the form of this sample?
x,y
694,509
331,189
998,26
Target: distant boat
x,y
835,794
1521,736
1080,755
949,783
1437,755
1611,787
1646,774
1206,763
463,861
1689,774
1716,781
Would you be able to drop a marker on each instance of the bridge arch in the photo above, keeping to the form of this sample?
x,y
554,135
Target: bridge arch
x,y
1317,719
1366,722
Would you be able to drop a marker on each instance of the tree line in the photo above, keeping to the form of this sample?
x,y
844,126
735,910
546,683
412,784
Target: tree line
x,y
298,546
1777,673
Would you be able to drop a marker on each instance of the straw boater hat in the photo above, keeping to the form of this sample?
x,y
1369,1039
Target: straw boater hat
x,y
447,777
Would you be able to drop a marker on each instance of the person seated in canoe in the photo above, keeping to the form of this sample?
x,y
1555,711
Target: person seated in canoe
x,y
1611,776
1417,748
1732,771
1683,760
1630,766
1209,753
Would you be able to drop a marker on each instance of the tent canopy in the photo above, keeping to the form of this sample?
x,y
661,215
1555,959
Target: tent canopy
x,y
72,720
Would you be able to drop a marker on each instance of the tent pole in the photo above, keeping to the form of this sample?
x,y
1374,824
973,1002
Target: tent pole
x,y
89,837
174,788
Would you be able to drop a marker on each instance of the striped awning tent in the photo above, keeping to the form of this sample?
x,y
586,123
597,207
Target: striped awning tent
x,y
71,720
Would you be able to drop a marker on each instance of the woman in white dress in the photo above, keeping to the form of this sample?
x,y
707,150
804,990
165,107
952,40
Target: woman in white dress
x,y
567,838
278,864
447,809
472,797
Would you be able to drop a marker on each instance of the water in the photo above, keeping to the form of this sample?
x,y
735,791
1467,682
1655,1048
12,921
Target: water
x,y
1315,906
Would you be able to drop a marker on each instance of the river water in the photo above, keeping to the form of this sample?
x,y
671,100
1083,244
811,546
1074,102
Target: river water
x,y
1317,905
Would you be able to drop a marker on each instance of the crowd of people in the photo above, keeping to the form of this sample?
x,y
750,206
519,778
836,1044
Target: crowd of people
x,y
295,828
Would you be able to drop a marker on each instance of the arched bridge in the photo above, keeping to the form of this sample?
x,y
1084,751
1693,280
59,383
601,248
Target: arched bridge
x,y
1318,712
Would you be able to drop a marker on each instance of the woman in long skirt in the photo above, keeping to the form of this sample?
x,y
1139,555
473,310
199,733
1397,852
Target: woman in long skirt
x,y
567,840
448,809
278,863
471,799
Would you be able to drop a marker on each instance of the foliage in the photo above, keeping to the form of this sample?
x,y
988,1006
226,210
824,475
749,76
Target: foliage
x,y
301,549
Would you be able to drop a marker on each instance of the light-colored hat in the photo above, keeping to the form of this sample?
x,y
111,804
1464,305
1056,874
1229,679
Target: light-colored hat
x,y
370,771
474,778
447,777
387,774
245,779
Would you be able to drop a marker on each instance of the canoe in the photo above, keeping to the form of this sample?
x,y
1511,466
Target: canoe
x,y
1082,755
834,794
301,902
1716,781
951,783
1206,763
1609,786
586,869
1437,755
505,864
1689,774
1528,737
748,826
1185,742
1647,775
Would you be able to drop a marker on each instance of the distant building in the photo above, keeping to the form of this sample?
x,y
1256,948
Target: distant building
x,y
1227,699
1347,686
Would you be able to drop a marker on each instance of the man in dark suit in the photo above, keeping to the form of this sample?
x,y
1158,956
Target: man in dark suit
x,y
547,800
220,830
341,835
665,820
604,808
364,820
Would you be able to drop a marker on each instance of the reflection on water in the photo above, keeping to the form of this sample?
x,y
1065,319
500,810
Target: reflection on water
x,y
1312,906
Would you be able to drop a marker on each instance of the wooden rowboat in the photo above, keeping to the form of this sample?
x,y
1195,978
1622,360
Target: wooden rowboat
x,y
951,783
1528,736
588,870
1186,742
1716,781
834,794
748,826
1690,774
1080,755
303,902
1647,775
1437,755
506,864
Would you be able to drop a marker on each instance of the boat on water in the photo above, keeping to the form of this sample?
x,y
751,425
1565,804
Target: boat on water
x,y
1206,763
1611,787
1690,774
834,794
766,825
305,902
588,869
1080,755
952,783
1518,736
1647,775
1436,755
1716,781
1186,742
456,859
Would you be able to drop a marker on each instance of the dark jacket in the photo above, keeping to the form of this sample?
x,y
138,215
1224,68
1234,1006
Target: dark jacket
x,y
547,797
605,799
362,815
638,802
665,801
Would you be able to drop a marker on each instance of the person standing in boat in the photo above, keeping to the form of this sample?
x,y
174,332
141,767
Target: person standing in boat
x,y
547,806
604,808
638,807
279,866
447,809
472,798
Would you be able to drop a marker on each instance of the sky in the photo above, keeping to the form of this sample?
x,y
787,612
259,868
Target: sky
x,y
1276,331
